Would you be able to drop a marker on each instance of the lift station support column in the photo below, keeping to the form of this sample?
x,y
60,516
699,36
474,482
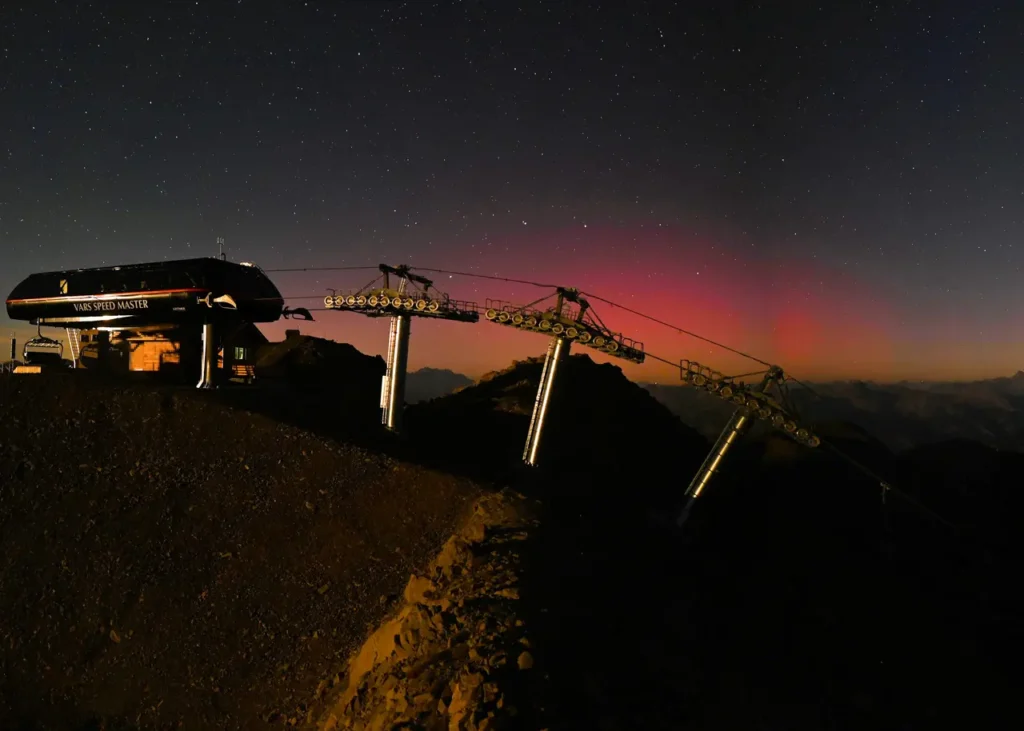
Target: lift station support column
x,y
74,343
209,357
557,351
393,386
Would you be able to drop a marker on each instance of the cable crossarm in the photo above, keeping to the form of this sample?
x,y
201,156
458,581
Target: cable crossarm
x,y
678,329
571,318
403,272
759,403
411,294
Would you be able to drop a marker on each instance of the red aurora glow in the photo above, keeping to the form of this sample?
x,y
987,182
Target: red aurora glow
x,y
815,321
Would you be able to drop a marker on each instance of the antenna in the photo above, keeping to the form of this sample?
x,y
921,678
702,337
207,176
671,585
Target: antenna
x,y
220,248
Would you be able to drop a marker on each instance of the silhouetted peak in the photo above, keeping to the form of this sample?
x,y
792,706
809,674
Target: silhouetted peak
x,y
602,429
430,383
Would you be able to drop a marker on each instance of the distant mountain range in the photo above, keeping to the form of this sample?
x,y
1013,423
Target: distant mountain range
x,y
431,383
902,415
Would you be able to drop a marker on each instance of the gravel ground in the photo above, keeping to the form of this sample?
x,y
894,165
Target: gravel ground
x,y
166,561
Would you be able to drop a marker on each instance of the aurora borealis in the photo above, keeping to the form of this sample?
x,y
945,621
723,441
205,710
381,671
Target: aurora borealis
x,y
835,190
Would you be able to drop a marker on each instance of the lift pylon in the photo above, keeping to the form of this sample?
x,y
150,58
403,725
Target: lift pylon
x,y
557,351
569,320
410,296
392,400
752,403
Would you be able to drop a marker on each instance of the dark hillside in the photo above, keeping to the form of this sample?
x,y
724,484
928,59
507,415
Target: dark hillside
x,y
794,599
429,383
614,441
825,607
164,558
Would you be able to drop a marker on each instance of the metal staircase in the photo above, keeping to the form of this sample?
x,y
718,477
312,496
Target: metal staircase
x,y
76,346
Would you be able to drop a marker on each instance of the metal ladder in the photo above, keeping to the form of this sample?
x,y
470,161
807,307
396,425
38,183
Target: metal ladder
x,y
76,346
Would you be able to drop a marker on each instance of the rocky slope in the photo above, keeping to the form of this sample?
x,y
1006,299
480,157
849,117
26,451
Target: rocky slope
x,y
165,559
456,654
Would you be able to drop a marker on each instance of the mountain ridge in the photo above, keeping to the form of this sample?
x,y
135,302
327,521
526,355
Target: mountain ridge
x,y
903,414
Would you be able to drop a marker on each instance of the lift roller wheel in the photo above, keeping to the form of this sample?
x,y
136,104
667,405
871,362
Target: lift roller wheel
x,y
361,300
328,302
491,314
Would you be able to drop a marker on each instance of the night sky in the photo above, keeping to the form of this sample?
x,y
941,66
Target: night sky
x,y
838,189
